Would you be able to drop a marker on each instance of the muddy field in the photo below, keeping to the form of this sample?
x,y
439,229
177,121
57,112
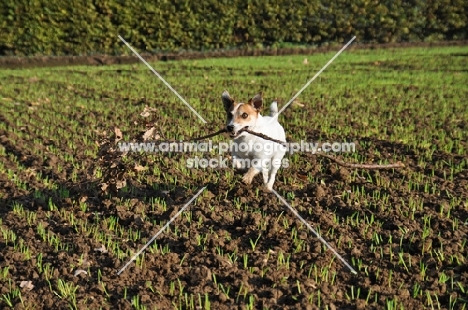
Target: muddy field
x,y
74,209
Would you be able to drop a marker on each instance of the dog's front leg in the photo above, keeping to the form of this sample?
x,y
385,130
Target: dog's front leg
x,y
273,170
271,181
265,175
248,177
236,163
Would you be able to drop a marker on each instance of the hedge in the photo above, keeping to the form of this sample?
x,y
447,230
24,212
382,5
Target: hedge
x,y
63,27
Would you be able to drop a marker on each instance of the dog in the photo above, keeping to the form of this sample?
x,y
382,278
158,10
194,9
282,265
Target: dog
x,y
260,155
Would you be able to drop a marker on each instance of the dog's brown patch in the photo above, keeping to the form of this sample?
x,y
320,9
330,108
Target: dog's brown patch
x,y
241,110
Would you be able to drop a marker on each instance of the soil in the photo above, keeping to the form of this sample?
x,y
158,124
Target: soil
x,y
195,265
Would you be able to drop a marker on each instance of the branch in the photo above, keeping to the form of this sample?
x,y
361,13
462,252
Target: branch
x,y
363,166
263,136
210,135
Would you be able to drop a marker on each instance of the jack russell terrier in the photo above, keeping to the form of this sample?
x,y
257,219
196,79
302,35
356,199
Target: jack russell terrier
x,y
251,151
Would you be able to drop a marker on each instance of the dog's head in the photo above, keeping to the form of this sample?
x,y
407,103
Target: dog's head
x,y
241,115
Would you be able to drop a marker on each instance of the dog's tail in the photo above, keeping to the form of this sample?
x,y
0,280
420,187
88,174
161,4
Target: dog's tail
x,y
273,108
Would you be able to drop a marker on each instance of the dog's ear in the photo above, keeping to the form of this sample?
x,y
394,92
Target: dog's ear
x,y
227,100
257,101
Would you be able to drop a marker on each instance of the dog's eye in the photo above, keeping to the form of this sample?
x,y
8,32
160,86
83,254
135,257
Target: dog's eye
x,y
245,115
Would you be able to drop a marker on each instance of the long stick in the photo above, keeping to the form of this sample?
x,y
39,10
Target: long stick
x,y
210,135
363,166
339,162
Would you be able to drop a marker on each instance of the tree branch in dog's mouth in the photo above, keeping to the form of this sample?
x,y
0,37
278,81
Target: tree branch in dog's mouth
x,y
236,134
246,129
223,130
231,134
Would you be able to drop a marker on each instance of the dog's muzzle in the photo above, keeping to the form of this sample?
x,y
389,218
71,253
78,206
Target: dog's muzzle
x,y
231,132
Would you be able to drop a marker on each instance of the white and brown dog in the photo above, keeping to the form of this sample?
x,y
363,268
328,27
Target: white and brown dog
x,y
249,151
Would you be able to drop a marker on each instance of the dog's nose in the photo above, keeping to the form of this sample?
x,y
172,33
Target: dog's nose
x,y
230,128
